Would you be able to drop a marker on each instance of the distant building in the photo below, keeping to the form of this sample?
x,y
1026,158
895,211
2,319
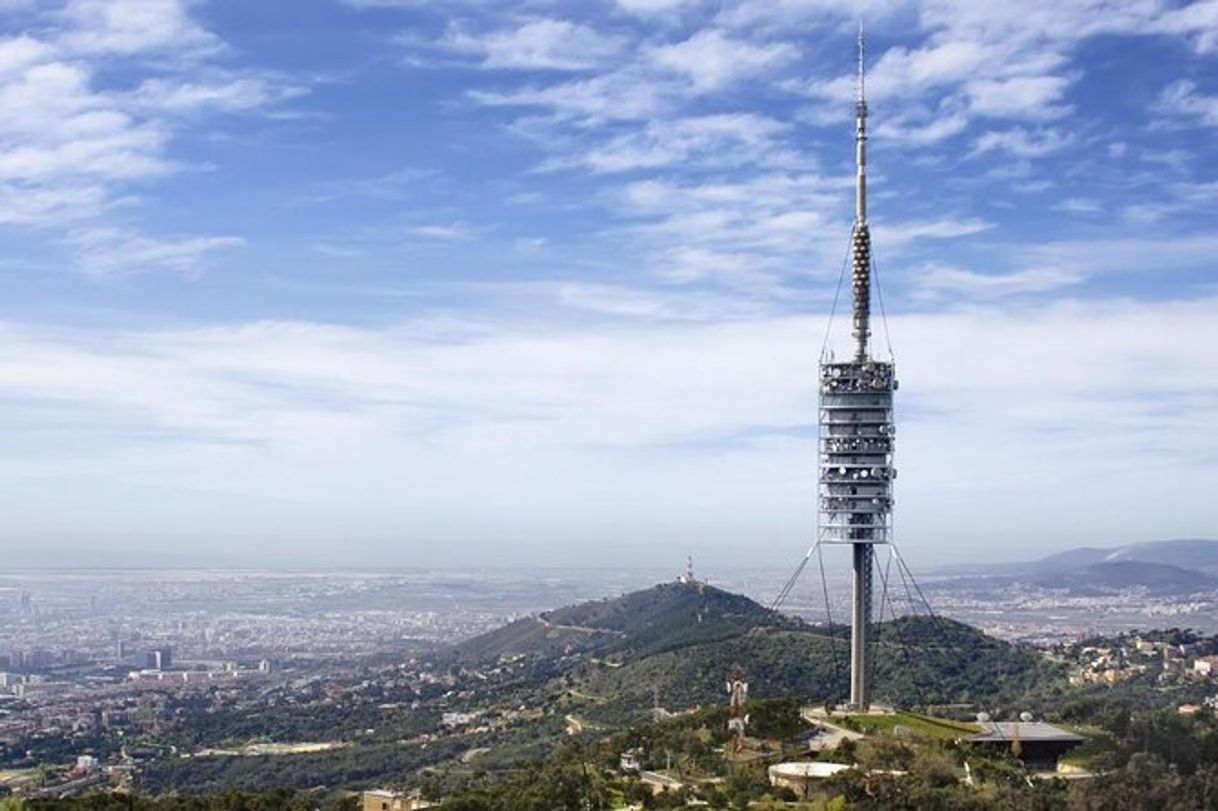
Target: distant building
x,y
160,658
1206,666
452,720
383,800
659,782
1037,744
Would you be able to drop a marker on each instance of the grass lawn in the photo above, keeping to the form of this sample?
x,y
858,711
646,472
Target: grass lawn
x,y
924,725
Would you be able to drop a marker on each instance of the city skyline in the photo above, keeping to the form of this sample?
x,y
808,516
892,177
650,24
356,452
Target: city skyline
x,y
402,282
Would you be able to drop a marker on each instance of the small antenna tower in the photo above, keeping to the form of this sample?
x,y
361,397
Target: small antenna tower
x,y
737,720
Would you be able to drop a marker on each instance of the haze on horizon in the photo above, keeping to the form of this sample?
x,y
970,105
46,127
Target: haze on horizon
x,y
363,282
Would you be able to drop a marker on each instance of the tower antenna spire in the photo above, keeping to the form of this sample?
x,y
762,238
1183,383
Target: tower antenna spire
x,y
860,239
862,50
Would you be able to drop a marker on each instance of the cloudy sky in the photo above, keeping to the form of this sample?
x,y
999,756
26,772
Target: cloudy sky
x,y
406,282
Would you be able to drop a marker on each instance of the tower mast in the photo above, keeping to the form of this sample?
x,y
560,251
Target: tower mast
x,y
860,238
856,431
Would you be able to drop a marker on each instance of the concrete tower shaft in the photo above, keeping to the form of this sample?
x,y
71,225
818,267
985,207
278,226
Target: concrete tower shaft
x,y
857,433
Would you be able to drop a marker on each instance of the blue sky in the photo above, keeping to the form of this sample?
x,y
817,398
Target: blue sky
x,y
410,282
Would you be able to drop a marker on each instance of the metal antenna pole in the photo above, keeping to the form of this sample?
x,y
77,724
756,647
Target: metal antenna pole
x,y
860,238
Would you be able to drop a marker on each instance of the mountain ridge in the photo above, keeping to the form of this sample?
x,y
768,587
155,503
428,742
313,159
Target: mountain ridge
x,y
1191,564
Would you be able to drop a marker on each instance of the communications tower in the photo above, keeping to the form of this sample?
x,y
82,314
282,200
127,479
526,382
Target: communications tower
x,y
737,719
857,431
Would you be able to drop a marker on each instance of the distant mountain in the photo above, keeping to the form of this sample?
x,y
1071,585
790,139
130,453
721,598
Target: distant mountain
x,y
1069,561
635,625
1191,565
1125,574
1198,554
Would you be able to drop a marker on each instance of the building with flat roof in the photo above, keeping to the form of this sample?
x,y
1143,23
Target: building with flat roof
x,y
1037,744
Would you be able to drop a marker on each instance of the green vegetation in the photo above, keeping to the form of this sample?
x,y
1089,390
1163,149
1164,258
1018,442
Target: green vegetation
x,y
924,725
603,663
1146,759
279,800
631,627
919,662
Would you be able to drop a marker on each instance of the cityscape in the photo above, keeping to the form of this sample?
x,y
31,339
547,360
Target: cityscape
x,y
103,672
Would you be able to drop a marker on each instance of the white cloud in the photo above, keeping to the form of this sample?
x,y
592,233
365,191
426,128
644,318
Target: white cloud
x,y
543,44
21,52
443,232
647,304
984,60
650,8
227,94
751,235
1021,143
330,431
902,70
728,139
1199,19
1159,252
902,132
710,59
752,271
135,26
1181,98
117,252
77,143
899,233
621,95
795,14
938,278
22,204
1019,97
1079,205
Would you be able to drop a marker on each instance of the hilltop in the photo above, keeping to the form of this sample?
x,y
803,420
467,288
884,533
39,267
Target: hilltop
x,y
629,627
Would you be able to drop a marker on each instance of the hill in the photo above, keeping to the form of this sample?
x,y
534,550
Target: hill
x,y
609,661
632,626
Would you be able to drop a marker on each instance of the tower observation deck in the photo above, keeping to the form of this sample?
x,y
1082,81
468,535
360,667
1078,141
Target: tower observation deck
x,y
857,432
